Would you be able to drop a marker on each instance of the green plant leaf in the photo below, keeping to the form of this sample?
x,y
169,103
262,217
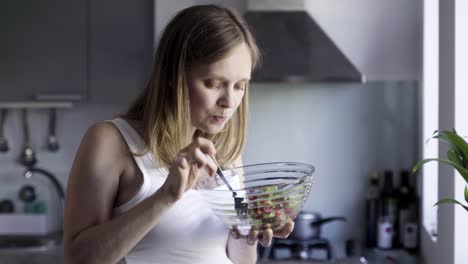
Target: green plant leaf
x,y
453,156
458,151
447,200
463,172
466,193
455,141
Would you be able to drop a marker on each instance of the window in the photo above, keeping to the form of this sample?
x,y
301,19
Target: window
x,y
430,115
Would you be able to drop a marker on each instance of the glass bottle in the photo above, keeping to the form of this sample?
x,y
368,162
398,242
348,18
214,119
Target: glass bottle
x,y
372,209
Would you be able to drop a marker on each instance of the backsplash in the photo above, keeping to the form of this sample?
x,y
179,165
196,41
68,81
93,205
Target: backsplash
x,y
344,130
71,126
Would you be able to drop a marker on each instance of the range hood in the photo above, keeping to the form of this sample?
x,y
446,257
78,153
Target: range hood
x,y
294,48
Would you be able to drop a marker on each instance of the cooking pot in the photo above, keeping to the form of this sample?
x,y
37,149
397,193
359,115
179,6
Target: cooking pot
x,y
307,225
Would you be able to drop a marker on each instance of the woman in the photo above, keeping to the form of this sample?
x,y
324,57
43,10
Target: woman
x,y
130,196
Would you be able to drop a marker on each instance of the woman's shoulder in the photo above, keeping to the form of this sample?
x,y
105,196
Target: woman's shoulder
x,y
103,130
105,136
102,151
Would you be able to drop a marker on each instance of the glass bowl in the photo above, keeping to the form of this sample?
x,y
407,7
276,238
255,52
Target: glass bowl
x,y
274,192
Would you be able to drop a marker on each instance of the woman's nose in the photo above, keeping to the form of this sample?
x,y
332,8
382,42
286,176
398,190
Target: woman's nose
x,y
227,98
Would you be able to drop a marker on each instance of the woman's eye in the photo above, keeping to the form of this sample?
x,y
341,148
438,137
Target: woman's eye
x,y
212,83
240,86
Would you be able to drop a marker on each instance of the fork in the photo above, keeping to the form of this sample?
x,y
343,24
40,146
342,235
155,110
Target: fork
x,y
239,205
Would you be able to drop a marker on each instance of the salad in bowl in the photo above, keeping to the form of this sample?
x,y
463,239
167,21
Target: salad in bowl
x,y
270,194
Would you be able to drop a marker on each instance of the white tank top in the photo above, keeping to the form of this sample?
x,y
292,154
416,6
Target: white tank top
x,y
188,232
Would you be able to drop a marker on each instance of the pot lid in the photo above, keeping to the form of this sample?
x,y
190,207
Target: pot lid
x,y
308,215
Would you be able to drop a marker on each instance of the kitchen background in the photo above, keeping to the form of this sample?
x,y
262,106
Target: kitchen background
x,y
345,130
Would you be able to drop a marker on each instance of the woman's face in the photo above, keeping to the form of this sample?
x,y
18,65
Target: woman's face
x,y
216,90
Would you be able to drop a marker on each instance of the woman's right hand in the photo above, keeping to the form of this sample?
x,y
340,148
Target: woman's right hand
x,y
186,166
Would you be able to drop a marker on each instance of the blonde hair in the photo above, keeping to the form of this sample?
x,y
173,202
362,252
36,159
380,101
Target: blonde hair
x,y
200,34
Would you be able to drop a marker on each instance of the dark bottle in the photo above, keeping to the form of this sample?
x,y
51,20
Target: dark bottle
x,y
410,230
404,213
372,209
389,206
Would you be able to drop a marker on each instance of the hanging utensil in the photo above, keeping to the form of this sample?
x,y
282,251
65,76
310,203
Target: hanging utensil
x,y
27,156
3,141
52,143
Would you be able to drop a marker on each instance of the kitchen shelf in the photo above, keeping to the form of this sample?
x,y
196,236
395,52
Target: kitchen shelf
x,y
36,104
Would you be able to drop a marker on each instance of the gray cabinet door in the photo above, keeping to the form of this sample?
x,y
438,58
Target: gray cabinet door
x,y
43,48
121,49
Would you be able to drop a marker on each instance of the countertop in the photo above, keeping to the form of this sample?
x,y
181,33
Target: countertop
x,y
50,251
348,261
371,256
52,255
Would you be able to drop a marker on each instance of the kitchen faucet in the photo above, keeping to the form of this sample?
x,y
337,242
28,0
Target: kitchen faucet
x,y
58,188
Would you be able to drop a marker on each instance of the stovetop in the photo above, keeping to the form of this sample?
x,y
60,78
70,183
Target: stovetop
x,y
355,260
370,256
312,249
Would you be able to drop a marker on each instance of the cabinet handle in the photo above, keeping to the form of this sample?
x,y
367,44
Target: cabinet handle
x,y
58,97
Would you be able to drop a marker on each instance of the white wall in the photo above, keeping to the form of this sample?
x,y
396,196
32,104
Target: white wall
x,y
450,246
345,131
382,38
430,123
461,122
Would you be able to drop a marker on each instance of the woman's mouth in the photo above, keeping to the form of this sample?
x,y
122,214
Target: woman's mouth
x,y
219,119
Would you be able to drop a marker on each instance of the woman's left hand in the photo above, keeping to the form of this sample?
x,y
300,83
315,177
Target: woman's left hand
x,y
265,236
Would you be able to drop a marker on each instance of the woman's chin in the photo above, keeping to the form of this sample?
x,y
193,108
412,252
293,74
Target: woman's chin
x,y
212,129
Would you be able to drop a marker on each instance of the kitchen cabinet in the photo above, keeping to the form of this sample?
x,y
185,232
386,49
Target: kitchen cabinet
x,y
120,49
43,49
79,50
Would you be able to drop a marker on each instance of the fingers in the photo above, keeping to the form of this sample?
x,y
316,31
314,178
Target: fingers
x,y
285,230
199,152
185,167
252,237
192,177
266,237
235,233
205,145
203,159
179,170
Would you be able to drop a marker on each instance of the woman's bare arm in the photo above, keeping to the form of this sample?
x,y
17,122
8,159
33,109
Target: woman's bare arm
x,y
90,236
